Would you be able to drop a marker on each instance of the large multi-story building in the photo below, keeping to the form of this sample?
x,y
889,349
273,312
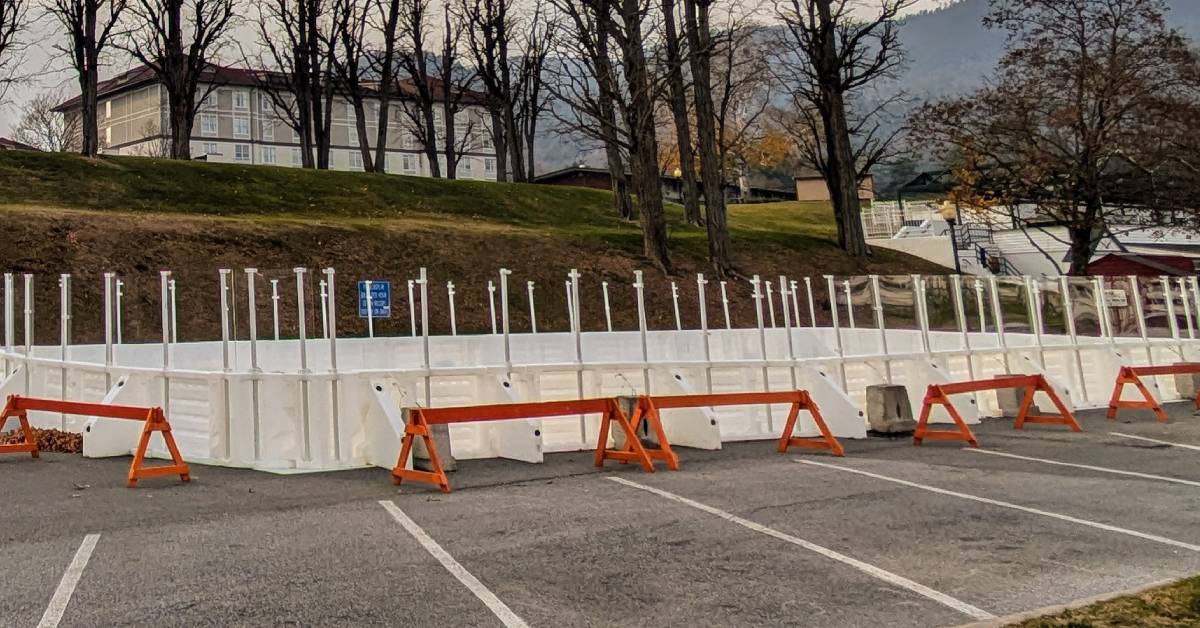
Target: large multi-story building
x,y
238,123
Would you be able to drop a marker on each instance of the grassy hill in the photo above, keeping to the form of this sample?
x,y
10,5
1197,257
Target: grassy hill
x,y
135,216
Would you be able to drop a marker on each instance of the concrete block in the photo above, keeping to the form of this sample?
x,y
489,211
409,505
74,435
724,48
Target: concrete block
x,y
441,440
1187,384
888,409
1009,400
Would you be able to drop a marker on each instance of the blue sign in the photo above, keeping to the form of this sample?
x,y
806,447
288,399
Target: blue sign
x,y
380,301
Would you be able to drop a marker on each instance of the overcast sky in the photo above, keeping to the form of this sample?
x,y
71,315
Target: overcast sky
x,y
49,70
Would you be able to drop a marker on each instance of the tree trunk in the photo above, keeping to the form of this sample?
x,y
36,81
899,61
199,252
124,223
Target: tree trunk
x,y
451,153
385,84
91,133
720,248
181,127
679,111
841,177
513,139
499,146
431,149
360,127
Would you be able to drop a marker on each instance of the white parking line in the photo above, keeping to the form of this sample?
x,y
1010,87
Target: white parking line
x,y
1034,511
485,595
869,569
66,586
1154,440
1148,476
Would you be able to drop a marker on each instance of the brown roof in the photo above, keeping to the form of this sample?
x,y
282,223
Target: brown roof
x,y
7,144
142,75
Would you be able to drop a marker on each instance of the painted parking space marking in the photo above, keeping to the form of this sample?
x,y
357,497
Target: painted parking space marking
x,y
485,595
1155,440
1135,474
66,586
866,568
995,502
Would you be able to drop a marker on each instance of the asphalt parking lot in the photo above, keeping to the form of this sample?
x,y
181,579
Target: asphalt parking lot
x,y
889,535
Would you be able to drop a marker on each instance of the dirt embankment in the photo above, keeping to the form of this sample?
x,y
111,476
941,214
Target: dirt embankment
x,y
85,244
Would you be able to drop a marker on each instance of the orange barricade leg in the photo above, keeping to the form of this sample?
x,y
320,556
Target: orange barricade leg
x,y
633,449
824,441
156,421
1064,416
415,427
30,443
1128,376
934,395
646,411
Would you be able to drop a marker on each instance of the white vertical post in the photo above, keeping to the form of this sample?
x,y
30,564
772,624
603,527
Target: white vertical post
x,y
570,305
301,318
979,305
919,310
453,320
770,303
28,332
700,283
532,308
1102,311
108,329
998,317
787,327
275,307
64,340
725,305
577,326
812,309
607,310
849,302
324,311
1187,307
412,311
837,328
762,344
120,296
795,303
504,273
252,321
10,331
370,307
224,275
1169,297
491,306
1033,295
1194,285
1141,317
879,322
330,305
960,315
423,281
164,279
675,302
1069,315
174,312
638,286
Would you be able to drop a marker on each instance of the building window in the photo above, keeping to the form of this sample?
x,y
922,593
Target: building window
x,y
296,160
486,140
489,167
407,139
241,152
408,163
108,136
265,105
241,127
356,160
465,171
208,124
267,131
268,154
210,148
241,100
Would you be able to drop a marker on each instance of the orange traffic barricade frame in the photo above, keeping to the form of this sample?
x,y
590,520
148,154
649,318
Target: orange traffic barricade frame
x,y
420,419
648,407
939,394
1132,375
154,420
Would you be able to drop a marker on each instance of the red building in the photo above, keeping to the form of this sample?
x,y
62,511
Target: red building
x,y
1145,265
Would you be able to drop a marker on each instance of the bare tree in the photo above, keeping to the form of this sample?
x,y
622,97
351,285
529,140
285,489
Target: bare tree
x,y
830,52
13,20
44,128
454,79
293,42
742,94
493,28
680,112
90,27
350,19
534,100
179,40
1089,119
415,60
384,64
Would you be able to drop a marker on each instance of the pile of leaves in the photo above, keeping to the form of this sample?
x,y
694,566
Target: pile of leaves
x,y
48,440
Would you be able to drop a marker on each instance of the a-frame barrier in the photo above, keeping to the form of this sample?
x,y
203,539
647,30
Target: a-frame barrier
x,y
1132,376
939,394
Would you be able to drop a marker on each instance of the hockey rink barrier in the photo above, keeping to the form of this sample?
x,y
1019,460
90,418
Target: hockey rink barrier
x,y
279,388
153,421
1132,376
939,395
